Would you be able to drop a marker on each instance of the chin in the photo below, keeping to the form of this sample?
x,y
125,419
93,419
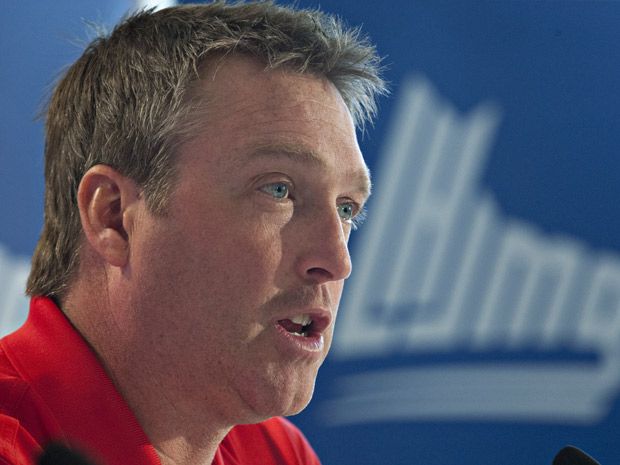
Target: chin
x,y
298,406
282,402
298,398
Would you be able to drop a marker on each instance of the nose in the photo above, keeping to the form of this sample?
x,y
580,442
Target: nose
x,y
323,251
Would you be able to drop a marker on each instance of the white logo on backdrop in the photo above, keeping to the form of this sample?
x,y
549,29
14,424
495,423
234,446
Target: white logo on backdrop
x,y
13,302
439,269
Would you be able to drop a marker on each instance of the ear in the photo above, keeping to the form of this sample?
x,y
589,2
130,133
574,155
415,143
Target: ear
x,y
108,202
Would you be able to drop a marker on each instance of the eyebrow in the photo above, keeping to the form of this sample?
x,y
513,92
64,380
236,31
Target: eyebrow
x,y
308,157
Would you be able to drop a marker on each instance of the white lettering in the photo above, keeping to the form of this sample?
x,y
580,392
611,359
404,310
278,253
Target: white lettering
x,y
13,301
439,267
600,322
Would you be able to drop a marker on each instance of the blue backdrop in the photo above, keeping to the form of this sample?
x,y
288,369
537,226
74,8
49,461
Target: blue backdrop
x,y
482,321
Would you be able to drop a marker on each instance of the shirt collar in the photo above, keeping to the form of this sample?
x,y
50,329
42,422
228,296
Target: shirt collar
x,y
52,356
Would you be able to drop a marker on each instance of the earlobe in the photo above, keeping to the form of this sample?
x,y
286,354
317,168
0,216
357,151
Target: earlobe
x,y
105,201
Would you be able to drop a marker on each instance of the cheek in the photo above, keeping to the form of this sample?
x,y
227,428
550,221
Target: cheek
x,y
217,262
233,261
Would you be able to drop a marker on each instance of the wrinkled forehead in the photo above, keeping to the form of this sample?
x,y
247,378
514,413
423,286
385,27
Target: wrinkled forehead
x,y
228,85
279,87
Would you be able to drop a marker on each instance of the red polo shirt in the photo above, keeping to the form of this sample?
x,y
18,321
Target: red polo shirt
x,y
52,387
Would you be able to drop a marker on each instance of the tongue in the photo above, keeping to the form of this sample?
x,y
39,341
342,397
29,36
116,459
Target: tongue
x,y
290,326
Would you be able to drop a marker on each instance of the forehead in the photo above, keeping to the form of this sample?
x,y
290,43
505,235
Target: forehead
x,y
249,109
239,83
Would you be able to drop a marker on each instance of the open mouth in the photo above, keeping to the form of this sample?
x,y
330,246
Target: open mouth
x,y
300,325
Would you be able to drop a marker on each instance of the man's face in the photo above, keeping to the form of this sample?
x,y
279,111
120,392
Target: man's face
x,y
239,284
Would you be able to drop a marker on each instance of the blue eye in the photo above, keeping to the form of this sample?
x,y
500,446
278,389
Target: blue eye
x,y
346,210
278,190
350,213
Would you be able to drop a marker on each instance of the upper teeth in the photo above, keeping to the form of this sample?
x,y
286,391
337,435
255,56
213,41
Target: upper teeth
x,y
303,320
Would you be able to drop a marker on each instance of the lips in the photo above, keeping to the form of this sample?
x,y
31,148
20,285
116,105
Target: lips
x,y
298,325
306,324
302,334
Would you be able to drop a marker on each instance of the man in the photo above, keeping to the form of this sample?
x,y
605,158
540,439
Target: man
x,y
202,179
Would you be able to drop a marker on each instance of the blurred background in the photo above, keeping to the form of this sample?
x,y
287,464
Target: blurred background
x,y
482,321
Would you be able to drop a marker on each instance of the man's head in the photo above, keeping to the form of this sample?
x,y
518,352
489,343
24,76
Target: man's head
x,y
128,102
202,169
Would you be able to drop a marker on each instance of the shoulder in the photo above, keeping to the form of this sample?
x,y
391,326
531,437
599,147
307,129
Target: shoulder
x,y
277,441
13,389
18,408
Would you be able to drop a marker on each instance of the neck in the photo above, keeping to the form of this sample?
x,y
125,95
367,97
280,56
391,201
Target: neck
x,y
180,433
